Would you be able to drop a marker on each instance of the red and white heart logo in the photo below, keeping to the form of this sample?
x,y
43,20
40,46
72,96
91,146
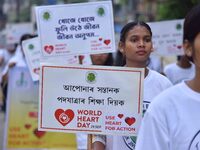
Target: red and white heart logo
x,y
39,134
64,117
107,42
120,115
48,49
130,121
36,70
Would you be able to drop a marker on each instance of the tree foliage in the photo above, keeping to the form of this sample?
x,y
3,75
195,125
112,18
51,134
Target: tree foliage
x,y
175,9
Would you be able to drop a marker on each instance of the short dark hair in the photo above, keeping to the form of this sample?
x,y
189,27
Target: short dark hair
x,y
192,24
130,26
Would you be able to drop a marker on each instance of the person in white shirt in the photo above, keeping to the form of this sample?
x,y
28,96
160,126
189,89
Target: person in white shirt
x,y
155,63
5,55
136,46
183,69
17,60
172,120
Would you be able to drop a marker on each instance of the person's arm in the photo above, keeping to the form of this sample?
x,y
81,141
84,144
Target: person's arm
x,y
98,146
98,142
1,60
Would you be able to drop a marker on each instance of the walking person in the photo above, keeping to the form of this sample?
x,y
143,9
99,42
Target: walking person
x,y
136,46
172,121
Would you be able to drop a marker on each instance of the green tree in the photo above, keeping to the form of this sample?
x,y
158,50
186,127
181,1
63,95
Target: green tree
x,y
175,9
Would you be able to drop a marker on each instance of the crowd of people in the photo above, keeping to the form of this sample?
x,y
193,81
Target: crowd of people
x,y
171,96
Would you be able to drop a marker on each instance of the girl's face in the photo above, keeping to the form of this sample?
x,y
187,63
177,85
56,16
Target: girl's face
x,y
197,51
137,46
99,59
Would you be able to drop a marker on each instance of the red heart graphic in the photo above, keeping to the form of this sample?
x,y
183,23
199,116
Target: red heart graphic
x,y
107,42
130,121
81,57
64,117
27,126
33,114
48,49
100,39
39,134
120,115
36,70
179,46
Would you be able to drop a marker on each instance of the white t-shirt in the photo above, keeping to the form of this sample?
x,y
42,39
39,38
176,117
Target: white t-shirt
x,y
154,83
6,57
18,58
177,74
81,139
172,121
155,63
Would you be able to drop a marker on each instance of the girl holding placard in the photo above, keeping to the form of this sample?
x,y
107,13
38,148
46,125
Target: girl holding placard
x,y
136,46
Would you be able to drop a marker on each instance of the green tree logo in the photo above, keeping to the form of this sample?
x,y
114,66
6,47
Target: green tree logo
x,y
178,26
91,77
31,47
101,11
46,15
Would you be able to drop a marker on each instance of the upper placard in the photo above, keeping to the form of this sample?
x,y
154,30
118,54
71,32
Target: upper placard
x,y
76,28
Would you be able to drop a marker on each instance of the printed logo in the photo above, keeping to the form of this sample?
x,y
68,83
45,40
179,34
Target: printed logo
x,y
130,121
130,142
195,143
30,46
101,11
46,16
64,117
39,134
107,42
91,77
120,116
48,49
178,26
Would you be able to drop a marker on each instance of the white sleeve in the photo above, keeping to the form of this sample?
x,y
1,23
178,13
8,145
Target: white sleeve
x,y
152,134
99,138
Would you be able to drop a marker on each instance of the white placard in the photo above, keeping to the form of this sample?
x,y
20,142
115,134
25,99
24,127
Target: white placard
x,y
21,128
167,37
15,31
84,28
33,57
32,53
91,99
